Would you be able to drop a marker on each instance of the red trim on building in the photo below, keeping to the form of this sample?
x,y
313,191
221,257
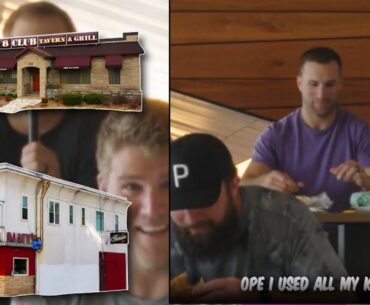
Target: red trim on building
x,y
70,62
7,63
101,49
113,61
38,51
8,253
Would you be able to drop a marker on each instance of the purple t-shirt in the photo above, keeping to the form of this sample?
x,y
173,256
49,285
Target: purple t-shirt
x,y
306,154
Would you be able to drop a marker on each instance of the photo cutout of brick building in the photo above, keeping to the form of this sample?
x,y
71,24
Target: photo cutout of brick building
x,y
70,70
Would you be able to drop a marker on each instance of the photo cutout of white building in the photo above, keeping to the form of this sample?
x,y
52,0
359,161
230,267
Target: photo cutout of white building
x,y
58,237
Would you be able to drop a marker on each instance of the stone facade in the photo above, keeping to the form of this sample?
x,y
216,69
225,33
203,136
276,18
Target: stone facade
x,y
129,87
130,73
8,88
50,79
17,285
31,60
38,71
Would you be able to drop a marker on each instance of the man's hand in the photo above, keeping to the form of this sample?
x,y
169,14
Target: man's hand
x,y
352,171
280,181
39,158
218,290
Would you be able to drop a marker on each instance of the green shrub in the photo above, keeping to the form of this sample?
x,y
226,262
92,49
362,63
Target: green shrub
x,y
72,99
94,98
13,95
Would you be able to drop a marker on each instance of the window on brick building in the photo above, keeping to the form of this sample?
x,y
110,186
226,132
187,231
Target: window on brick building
x,y
75,76
8,77
114,76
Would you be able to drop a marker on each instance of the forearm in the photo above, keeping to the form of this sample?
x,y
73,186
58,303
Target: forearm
x,y
248,180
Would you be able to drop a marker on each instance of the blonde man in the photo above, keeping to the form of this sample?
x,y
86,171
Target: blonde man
x,y
133,162
132,158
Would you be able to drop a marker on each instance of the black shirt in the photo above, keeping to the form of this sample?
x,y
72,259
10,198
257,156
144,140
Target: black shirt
x,y
73,140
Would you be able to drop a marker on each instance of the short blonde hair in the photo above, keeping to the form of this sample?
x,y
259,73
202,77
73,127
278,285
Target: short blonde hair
x,y
148,130
41,8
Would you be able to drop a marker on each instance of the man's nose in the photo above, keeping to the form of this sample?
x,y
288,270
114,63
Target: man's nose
x,y
155,202
321,91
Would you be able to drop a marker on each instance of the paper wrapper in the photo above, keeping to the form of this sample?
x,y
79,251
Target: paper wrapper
x,y
320,202
180,289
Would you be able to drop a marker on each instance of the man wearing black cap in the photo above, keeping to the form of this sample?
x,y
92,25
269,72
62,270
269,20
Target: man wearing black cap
x,y
221,232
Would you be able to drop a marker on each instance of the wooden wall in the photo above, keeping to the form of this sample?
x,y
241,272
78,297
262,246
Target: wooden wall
x,y
244,53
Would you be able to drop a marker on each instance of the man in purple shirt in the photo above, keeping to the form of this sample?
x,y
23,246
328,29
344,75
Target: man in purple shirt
x,y
319,147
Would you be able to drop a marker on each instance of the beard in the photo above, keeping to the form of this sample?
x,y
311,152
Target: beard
x,y
327,111
217,241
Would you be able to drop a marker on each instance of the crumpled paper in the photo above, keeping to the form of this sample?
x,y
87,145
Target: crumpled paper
x,y
320,202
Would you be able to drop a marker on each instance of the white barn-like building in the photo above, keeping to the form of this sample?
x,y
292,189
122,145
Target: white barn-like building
x,y
58,237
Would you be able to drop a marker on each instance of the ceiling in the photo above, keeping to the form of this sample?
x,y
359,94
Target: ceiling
x,y
238,131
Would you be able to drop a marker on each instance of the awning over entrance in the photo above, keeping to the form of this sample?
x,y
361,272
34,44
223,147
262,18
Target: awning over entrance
x,y
113,61
72,62
7,64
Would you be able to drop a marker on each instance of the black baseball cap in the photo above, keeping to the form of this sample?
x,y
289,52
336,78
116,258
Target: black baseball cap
x,y
199,165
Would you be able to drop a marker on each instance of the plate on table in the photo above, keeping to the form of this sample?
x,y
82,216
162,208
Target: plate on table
x,y
362,209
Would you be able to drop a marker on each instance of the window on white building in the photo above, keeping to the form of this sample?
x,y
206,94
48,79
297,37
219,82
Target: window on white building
x,y
54,212
116,223
24,208
83,216
20,266
99,221
71,214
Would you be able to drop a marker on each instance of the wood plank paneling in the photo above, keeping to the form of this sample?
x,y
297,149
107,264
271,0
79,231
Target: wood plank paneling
x,y
244,54
269,5
265,59
264,93
362,112
242,27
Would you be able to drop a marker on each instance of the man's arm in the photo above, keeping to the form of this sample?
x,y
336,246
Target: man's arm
x,y
258,173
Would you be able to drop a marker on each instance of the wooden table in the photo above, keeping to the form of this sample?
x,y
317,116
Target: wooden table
x,y
342,218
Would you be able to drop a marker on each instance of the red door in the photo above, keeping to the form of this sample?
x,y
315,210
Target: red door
x,y
112,271
36,80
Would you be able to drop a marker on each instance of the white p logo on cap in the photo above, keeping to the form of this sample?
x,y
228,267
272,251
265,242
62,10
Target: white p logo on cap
x,y
180,171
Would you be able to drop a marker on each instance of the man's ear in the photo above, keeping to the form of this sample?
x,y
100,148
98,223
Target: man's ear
x,y
299,82
101,183
341,83
234,184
